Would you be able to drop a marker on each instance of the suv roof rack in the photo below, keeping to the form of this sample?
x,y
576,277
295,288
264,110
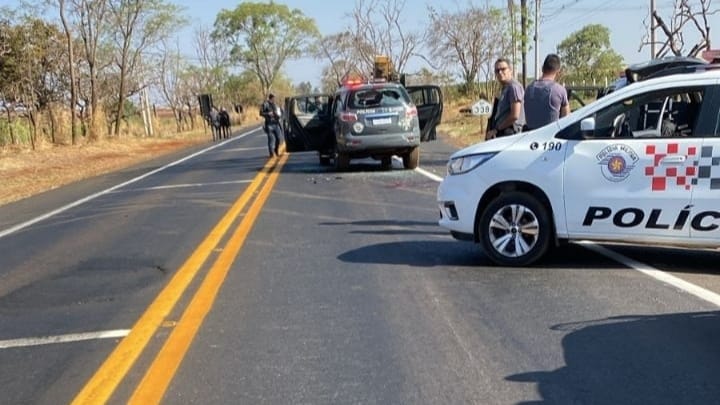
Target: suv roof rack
x,y
685,69
658,67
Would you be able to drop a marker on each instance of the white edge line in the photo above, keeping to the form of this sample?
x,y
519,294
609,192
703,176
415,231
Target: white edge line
x,y
429,175
187,185
690,288
659,275
72,337
74,204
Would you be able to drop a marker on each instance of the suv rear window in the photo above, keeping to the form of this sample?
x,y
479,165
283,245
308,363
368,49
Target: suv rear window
x,y
382,97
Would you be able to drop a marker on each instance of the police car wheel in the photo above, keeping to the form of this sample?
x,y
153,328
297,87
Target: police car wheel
x,y
514,229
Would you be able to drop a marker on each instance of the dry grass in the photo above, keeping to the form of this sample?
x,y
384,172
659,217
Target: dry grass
x,y
461,129
25,172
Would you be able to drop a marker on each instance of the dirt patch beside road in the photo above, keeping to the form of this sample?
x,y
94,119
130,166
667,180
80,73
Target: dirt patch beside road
x,y
25,172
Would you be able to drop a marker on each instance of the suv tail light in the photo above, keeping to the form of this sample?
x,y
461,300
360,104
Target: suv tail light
x,y
411,112
350,117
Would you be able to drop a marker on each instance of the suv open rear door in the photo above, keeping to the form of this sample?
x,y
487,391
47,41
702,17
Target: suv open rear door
x,y
308,123
429,103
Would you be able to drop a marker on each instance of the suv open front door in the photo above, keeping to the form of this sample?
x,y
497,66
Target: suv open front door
x,y
429,103
308,125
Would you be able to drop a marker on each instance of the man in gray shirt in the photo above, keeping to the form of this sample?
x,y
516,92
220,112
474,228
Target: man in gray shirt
x,y
545,99
508,118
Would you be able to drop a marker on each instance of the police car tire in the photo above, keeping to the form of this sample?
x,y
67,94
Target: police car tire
x,y
535,210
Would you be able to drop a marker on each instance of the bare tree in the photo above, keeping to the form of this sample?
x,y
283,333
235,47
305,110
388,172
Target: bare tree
x,y
137,26
469,40
343,55
685,15
91,18
214,59
170,68
379,29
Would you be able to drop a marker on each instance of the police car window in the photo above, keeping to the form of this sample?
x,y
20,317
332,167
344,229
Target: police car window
x,y
665,113
369,98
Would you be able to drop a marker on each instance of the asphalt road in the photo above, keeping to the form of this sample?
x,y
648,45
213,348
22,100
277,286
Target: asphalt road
x,y
227,279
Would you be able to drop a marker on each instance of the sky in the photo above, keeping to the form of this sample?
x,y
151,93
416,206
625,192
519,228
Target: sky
x,y
559,19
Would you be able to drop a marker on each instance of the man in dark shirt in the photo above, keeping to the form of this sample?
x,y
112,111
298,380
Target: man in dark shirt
x,y
272,113
509,118
546,100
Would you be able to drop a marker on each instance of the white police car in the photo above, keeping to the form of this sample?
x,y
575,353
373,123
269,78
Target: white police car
x,y
640,165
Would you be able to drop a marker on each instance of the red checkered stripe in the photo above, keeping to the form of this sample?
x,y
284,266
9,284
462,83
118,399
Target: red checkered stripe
x,y
662,178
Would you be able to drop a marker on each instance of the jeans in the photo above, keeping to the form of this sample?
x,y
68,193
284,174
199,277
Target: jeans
x,y
274,135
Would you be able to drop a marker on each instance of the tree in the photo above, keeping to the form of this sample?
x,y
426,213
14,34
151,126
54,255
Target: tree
x,y
91,21
170,70
378,29
683,13
263,36
71,66
303,88
343,54
214,61
470,40
137,26
587,56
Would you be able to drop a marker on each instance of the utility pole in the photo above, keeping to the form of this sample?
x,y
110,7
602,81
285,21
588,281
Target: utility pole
x,y
513,32
537,39
652,29
523,39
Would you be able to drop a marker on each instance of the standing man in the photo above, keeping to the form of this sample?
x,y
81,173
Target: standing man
x,y
272,113
509,117
546,100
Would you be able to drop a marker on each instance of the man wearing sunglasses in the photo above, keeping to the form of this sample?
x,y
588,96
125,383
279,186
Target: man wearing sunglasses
x,y
508,117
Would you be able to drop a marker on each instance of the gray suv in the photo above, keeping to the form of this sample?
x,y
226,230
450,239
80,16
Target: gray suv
x,y
377,120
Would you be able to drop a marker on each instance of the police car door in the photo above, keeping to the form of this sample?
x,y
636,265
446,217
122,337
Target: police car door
x,y
629,176
309,123
429,103
704,220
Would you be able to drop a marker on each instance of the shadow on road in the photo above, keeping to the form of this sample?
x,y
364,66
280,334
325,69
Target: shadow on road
x,y
428,253
656,359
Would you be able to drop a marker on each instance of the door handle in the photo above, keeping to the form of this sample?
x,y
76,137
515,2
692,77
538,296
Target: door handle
x,y
673,160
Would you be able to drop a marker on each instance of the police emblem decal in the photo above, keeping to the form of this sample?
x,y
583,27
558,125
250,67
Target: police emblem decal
x,y
617,161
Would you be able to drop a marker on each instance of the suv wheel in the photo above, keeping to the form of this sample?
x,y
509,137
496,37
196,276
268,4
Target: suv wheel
x,y
342,160
411,159
514,229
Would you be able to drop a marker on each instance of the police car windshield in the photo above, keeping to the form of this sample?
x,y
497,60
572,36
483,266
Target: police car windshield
x,y
388,97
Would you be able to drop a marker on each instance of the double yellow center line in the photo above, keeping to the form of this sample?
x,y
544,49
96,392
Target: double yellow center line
x,y
151,389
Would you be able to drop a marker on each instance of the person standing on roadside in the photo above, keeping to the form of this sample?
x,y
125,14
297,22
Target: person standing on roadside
x,y
509,118
272,113
546,100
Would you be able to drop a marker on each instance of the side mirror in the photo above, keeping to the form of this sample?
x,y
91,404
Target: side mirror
x,y
587,126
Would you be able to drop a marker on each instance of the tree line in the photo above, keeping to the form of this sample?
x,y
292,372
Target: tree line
x,y
90,59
